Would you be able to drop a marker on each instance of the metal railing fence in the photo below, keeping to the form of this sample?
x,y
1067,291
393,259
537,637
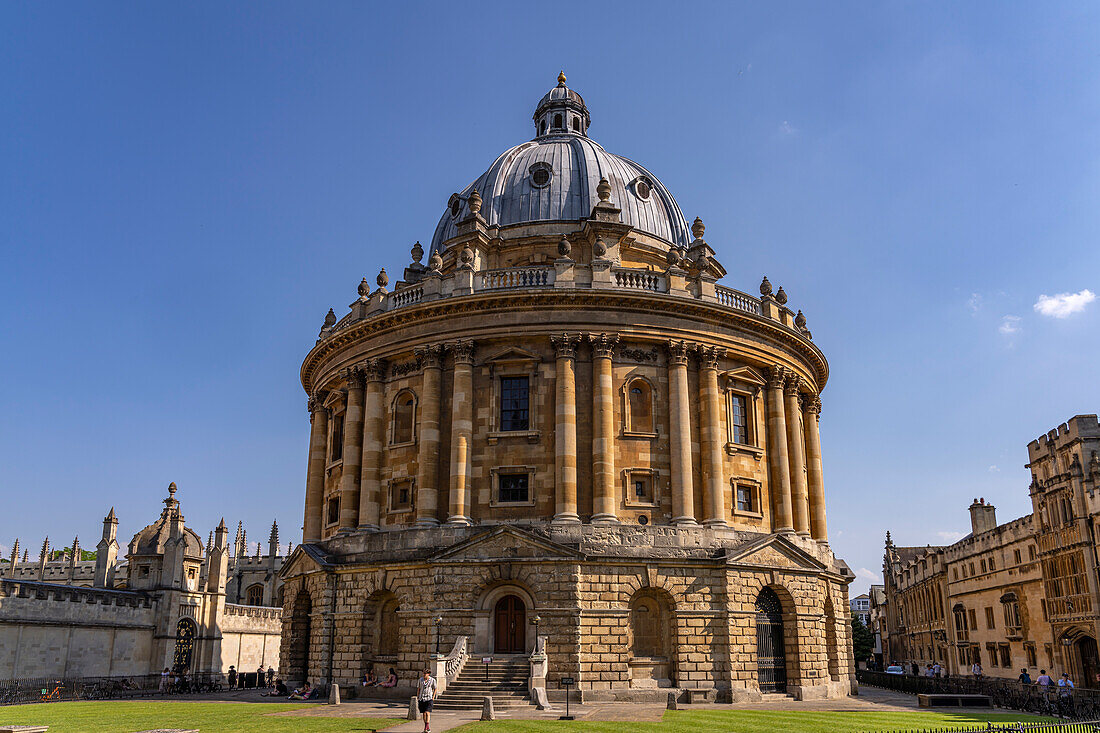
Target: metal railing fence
x,y
66,689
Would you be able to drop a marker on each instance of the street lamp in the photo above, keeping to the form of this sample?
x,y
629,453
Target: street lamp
x,y
535,621
438,621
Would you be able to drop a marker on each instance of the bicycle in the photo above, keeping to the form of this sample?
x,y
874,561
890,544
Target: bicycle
x,y
54,694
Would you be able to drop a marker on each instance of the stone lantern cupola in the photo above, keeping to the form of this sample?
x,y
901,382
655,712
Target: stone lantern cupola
x,y
561,111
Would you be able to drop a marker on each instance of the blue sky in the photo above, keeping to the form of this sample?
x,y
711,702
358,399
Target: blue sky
x,y
186,189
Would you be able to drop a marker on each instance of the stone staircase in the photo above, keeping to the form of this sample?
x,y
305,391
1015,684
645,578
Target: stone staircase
x,y
506,683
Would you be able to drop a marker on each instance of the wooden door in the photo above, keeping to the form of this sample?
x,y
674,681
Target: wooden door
x,y
510,625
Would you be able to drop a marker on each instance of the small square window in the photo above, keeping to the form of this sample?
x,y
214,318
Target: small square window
x,y
642,488
514,403
744,499
513,488
145,571
401,495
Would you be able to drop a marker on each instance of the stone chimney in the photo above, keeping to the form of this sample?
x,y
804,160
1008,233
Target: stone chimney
x,y
983,517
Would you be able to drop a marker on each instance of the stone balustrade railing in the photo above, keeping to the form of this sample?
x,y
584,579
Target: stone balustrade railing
x,y
566,274
446,668
264,612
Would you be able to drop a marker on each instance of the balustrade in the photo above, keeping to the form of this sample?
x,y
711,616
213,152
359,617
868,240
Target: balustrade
x,y
516,277
407,296
639,280
737,300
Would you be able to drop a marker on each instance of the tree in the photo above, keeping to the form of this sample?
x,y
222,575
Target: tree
x,y
863,641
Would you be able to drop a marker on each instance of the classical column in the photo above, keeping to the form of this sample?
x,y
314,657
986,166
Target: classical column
x,y
603,429
811,414
712,433
315,474
374,436
427,477
353,451
565,428
679,419
778,462
800,503
462,429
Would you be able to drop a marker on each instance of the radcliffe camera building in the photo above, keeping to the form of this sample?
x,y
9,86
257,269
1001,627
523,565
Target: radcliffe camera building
x,y
558,441
1018,595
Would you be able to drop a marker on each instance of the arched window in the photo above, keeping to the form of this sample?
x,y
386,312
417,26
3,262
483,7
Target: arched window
x,y
542,127
254,596
185,645
404,418
557,122
389,627
576,124
639,400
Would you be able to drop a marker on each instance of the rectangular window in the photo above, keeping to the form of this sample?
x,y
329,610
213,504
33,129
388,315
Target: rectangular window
x,y
513,487
333,510
988,617
972,617
992,564
401,495
1049,650
983,564
991,650
1006,655
955,573
1016,556
972,567
739,420
744,499
642,488
514,403
1029,650
336,450
1031,552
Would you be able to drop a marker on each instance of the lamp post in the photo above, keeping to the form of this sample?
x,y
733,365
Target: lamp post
x,y
438,621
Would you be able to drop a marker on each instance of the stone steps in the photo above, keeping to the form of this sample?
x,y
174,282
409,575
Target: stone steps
x,y
505,681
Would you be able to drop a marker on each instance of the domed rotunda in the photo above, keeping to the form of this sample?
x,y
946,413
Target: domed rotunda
x,y
559,442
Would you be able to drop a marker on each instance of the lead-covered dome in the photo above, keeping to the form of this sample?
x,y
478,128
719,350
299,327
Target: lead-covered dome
x,y
554,178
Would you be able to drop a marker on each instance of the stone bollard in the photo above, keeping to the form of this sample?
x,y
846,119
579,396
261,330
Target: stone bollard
x,y
487,712
334,694
672,702
414,711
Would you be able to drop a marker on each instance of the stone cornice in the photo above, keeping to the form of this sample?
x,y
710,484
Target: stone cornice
x,y
751,325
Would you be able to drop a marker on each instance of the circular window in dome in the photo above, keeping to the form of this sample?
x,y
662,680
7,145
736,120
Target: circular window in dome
x,y
456,206
642,189
541,173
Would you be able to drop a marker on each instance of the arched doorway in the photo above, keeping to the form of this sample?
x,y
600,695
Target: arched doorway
x,y
771,658
1090,664
509,626
651,648
298,641
185,646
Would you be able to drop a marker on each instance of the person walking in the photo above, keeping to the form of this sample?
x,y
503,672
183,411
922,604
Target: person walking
x,y
232,677
1024,678
164,680
425,694
976,670
1044,680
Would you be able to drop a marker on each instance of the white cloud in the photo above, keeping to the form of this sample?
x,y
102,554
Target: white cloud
x,y
974,303
1063,305
868,574
994,469
786,128
1009,325
949,537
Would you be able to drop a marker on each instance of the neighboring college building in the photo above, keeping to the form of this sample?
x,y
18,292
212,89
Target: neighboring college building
x,y
861,608
562,419
164,605
1015,595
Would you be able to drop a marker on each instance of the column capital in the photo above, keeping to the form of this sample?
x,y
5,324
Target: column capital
x,y
775,375
565,344
353,375
429,356
793,383
463,352
603,344
374,370
316,402
709,356
678,352
811,403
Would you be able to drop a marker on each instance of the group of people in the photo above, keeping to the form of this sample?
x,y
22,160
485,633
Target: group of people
x,y
1044,680
264,678
370,679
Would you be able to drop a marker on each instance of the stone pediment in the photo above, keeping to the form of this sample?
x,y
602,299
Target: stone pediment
x,y
512,355
774,551
746,374
305,559
506,543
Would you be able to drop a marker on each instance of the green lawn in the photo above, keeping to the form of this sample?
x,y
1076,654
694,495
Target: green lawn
x,y
757,721
124,716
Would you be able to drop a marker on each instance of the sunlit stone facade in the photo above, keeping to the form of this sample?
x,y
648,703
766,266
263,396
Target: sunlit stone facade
x,y
562,414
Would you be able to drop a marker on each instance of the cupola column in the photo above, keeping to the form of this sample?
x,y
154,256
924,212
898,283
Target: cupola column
x,y
374,434
811,415
565,428
603,428
350,475
315,475
712,433
778,462
800,502
679,418
427,477
462,428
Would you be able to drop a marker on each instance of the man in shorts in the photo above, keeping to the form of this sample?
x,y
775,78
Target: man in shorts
x,y
425,694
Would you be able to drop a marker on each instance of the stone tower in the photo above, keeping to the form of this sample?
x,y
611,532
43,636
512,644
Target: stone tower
x,y
106,554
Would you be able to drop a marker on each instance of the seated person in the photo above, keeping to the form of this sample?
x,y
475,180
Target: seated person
x,y
369,679
302,693
391,679
280,686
